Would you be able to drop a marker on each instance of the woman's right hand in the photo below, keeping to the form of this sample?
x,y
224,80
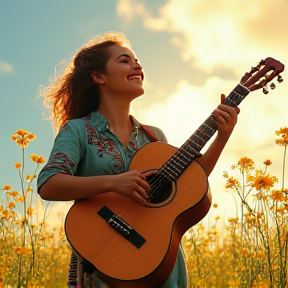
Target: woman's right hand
x,y
132,184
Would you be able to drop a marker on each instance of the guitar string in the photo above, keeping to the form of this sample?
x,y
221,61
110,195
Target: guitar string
x,y
157,183
162,181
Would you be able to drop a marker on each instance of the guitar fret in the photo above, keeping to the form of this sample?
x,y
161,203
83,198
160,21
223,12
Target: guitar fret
x,y
194,142
172,159
174,166
212,130
230,101
167,170
183,152
191,155
185,155
206,125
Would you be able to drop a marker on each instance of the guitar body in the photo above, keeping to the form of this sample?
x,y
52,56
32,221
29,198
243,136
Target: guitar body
x,y
160,225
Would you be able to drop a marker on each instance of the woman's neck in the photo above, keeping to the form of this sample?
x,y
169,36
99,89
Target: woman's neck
x,y
117,116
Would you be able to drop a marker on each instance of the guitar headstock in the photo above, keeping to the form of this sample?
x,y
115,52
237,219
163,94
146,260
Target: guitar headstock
x,y
263,73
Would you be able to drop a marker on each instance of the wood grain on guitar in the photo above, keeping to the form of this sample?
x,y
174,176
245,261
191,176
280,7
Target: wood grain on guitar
x,y
133,245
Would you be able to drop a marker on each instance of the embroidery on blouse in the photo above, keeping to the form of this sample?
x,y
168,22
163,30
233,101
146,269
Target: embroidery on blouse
x,y
106,147
133,145
61,161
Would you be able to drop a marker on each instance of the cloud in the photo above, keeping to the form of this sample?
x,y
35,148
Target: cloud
x,y
6,67
129,9
218,33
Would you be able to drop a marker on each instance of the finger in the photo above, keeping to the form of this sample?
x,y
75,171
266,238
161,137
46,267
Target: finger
x,y
143,184
223,97
142,192
226,109
149,173
230,110
137,198
226,115
237,110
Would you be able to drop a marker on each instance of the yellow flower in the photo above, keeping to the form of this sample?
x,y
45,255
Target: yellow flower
x,y
7,187
277,195
280,210
14,193
245,251
31,136
29,178
283,136
29,211
283,130
18,165
20,132
267,162
20,199
22,137
22,250
5,269
29,189
259,215
231,182
37,158
233,220
262,181
6,214
245,164
11,205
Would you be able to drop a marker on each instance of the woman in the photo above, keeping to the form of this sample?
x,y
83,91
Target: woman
x,y
90,105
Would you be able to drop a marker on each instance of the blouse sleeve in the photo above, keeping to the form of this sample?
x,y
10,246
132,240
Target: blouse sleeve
x,y
66,153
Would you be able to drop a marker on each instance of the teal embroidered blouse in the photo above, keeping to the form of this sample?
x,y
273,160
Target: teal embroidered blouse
x,y
86,147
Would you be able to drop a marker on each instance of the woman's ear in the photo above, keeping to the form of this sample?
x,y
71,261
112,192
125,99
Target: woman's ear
x,y
97,77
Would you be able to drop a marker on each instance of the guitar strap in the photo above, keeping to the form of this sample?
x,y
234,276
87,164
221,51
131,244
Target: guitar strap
x,y
149,132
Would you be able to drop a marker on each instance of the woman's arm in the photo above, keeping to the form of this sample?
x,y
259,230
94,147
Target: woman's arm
x,y
226,120
65,187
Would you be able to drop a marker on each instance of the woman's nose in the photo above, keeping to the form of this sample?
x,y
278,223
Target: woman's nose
x,y
136,65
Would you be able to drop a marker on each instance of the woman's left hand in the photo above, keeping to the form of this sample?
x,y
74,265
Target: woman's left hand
x,y
226,118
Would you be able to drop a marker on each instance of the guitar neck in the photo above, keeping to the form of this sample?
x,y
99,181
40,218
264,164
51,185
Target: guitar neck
x,y
177,164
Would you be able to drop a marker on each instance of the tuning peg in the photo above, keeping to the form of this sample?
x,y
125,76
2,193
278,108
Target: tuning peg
x,y
279,78
254,69
262,62
272,86
265,89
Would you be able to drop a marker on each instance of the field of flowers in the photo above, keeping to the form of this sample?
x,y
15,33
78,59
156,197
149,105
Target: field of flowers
x,y
248,250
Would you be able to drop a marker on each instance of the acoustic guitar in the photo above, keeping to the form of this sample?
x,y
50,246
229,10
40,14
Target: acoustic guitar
x,y
132,245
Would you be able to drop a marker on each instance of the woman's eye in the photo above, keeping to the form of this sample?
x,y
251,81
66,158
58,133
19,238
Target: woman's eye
x,y
124,61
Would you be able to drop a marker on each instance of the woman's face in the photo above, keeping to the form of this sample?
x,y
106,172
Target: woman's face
x,y
123,75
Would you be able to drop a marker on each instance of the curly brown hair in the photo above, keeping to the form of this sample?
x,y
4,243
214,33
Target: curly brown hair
x,y
73,94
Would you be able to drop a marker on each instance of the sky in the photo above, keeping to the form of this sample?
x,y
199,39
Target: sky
x,y
191,51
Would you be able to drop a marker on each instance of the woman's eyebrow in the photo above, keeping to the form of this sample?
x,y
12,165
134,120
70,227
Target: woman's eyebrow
x,y
126,55
123,55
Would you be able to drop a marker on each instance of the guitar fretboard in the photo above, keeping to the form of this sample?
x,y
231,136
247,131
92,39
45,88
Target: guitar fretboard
x,y
177,164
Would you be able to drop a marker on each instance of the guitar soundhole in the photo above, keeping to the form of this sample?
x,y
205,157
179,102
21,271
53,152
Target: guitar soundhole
x,y
161,192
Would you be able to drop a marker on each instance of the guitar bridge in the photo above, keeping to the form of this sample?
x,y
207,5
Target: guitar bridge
x,y
121,226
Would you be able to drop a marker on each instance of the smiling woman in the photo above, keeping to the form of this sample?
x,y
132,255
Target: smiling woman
x,y
90,161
